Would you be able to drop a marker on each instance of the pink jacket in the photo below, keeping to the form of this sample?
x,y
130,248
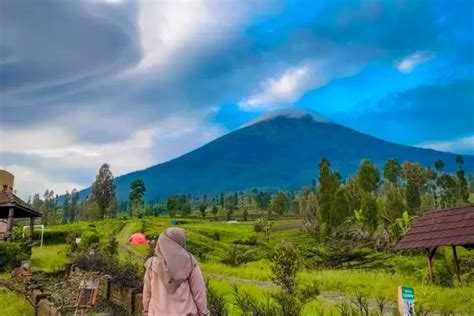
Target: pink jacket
x,y
189,298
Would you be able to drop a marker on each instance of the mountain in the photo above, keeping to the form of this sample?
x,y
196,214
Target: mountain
x,y
278,150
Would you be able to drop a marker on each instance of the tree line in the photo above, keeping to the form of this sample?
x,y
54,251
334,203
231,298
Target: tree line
x,y
371,196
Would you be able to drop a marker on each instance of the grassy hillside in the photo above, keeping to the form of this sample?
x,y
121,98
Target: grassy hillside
x,y
217,245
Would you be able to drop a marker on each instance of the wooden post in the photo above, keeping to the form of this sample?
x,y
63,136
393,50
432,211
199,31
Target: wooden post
x,y
11,215
32,228
430,254
456,265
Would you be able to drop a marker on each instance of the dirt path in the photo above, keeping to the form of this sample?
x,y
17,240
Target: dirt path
x,y
122,238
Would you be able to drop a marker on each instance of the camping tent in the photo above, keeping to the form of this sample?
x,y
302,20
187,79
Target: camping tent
x,y
137,239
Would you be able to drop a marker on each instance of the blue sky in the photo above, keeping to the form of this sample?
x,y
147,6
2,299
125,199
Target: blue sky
x,y
137,83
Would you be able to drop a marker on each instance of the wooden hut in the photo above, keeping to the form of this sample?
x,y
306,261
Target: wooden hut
x,y
451,227
11,207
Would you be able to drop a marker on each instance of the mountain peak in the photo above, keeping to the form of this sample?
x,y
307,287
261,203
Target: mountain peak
x,y
294,113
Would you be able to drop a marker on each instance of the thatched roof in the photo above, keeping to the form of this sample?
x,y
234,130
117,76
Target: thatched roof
x,y
447,227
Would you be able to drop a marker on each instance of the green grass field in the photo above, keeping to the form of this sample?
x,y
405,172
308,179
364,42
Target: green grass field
x,y
211,242
13,304
49,258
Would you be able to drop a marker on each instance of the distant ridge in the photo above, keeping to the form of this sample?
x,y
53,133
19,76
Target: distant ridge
x,y
279,150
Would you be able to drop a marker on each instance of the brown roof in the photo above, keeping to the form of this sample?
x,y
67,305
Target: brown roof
x,y
447,227
22,209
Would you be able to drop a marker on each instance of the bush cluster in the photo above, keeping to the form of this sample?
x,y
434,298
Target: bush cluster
x,y
123,274
12,254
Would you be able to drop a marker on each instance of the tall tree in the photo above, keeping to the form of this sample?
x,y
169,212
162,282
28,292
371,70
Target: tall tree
x,y
74,208
392,171
415,176
48,207
103,190
66,207
204,203
329,182
392,204
439,165
369,209
368,176
279,203
172,205
263,199
462,181
340,208
137,192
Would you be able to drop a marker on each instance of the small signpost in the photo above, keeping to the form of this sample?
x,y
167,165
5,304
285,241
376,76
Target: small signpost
x,y
406,301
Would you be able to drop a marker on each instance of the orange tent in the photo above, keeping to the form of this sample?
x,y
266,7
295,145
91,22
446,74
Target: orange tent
x,y
137,239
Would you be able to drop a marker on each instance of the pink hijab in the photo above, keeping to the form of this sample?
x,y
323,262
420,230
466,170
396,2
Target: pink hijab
x,y
172,262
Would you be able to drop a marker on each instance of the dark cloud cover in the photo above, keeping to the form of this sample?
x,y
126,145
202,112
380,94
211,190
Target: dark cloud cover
x,y
77,66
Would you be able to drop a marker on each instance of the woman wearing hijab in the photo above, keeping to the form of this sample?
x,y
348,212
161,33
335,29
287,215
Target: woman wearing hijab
x,y
173,284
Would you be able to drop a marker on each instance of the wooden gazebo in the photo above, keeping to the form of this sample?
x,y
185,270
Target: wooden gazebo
x,y
11,207
447,227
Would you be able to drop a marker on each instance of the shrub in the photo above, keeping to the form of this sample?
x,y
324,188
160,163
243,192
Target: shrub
x,y
198,248
89,238
285,265
251,241
215,236
55,237
12,254
215,301
237,255
250,306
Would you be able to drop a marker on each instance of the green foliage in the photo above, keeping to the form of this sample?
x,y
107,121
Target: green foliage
x,y
55,237
49,258
198,248
265,226
215,301
329,182
368,176
279,203
392,171
88,238
137,191
369,208
13,304
392,204
103,190
237,255
285,266
12,254
340,209
403,223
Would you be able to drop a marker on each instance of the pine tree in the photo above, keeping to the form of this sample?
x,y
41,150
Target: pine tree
x,y
74,205
392,171
66,207
279,203
368,176
369,209
137,192
462,181
329,182
103,190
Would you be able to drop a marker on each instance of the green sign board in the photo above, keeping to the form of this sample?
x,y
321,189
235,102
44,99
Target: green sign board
x,y
406,301
408,293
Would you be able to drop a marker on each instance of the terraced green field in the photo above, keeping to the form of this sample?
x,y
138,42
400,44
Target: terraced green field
x,y
213,242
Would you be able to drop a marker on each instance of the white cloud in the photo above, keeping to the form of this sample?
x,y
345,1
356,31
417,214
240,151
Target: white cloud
x,y
57,158
462,145
283,89
168,28
408,63
29,181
